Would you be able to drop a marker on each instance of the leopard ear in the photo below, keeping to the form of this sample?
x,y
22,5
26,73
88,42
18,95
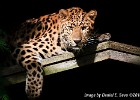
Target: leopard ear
x,y
91,15
63,13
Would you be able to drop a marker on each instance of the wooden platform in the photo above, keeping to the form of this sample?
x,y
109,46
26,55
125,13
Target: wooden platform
x,y
92,54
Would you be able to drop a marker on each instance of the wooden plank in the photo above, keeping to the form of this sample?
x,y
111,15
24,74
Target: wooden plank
x,y
96,53
93,58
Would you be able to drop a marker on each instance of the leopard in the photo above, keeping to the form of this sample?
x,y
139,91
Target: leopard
x,y
66,30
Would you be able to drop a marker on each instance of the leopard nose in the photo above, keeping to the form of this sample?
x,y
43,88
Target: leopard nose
x,y
77,41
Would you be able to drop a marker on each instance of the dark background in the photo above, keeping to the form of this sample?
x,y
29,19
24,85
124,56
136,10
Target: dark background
x,y
103,77
120,18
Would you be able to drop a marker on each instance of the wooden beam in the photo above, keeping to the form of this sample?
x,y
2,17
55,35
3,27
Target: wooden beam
x,y
92,54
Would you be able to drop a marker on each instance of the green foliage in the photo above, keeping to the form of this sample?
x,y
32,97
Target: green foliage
x,y
4,54
3,93
4,47
4,96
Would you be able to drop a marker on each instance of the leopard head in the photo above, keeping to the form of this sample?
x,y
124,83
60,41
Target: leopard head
x,y
75,27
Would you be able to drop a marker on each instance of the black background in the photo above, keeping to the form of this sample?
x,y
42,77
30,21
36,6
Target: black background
x,y
104,77
120,18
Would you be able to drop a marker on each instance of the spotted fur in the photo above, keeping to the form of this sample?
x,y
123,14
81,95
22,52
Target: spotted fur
x,y
47,36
